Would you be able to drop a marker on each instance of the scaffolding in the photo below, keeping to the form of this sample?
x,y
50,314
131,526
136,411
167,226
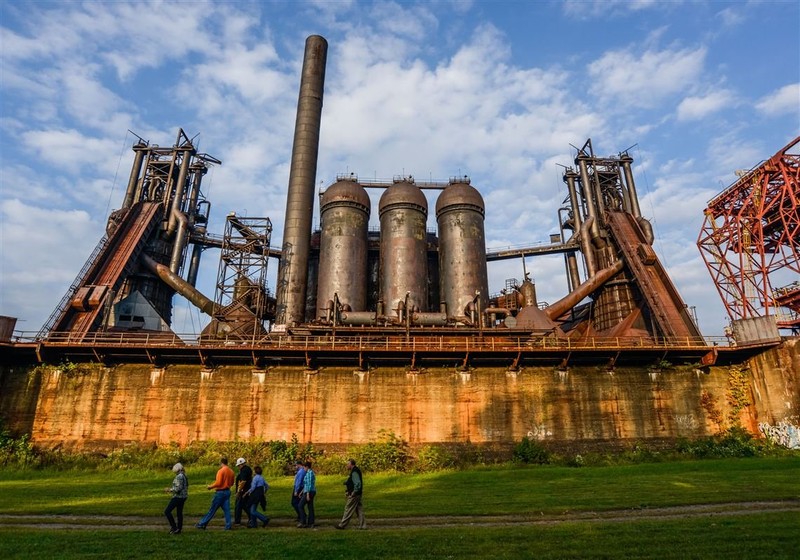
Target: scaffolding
x,y
242,279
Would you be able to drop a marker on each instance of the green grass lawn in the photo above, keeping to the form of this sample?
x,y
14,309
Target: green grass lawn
x,y
770,536
522,492
479,491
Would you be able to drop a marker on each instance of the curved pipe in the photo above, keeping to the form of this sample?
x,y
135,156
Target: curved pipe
x,y
586,247
179,285
180,239
573,298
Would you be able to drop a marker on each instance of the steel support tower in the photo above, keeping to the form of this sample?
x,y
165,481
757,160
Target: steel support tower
x,y
750,241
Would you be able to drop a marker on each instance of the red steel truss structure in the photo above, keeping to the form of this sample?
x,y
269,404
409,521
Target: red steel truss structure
x,y
750,240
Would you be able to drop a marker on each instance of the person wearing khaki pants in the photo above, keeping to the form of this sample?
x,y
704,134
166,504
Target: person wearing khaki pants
x,y
354,489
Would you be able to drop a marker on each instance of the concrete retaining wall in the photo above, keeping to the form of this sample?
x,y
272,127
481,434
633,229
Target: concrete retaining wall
x,y
95,407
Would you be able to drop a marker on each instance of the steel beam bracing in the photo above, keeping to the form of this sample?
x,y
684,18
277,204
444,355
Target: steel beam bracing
x,y
750,240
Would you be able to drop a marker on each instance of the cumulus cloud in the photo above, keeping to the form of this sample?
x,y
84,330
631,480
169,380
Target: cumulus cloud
x,y
783,101
431,89
699,107
622,78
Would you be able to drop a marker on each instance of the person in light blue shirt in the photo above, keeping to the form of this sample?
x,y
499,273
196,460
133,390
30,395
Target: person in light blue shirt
x,y
255,496
307,502
297,489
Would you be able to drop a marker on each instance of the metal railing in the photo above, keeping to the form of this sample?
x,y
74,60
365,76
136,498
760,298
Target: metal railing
x,y
488,342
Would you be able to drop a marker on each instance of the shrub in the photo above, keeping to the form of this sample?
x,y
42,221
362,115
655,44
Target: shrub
x,y
433,458
16,450
531,452
389,453
734,442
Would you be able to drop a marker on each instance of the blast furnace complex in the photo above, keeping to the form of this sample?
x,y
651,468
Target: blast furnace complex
x,y
403,299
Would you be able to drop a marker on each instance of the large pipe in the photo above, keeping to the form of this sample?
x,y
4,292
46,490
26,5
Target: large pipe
x,y
180,188
586,247
293,268
589,197
181,237
569,177
179,285
573,298
139,149
630,185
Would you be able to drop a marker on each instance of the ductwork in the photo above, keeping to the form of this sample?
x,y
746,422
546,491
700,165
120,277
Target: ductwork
x,y
179,285
574,298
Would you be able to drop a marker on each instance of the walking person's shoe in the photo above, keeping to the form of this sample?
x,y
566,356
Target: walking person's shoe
x,y
264,523
175,532
338,526
200,526
301,525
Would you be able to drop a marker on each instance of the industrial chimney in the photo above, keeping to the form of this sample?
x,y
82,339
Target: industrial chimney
x,y
293,268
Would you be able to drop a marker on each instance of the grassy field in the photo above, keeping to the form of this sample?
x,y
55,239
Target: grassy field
x,y
546,495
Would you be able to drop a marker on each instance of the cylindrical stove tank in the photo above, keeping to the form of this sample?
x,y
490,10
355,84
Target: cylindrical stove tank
x,y
344,217
404,259
462,247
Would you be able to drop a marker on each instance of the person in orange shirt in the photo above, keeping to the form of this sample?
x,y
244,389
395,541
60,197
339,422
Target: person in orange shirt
x,y
222,497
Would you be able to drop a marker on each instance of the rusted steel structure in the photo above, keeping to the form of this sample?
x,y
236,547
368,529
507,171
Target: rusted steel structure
x,y
293,269
129,280
365,349
403,212
460,212
352,295
344,221
750,241
631,291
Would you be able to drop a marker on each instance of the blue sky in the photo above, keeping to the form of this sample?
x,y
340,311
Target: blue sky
x,y
494,90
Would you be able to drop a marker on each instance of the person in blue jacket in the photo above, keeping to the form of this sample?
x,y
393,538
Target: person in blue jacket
x,y
307,502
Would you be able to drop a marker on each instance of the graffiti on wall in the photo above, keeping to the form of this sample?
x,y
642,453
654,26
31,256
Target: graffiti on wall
x,y
782,433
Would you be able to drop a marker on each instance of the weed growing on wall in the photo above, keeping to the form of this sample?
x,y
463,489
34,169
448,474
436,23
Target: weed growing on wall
x,y
709,404
738,393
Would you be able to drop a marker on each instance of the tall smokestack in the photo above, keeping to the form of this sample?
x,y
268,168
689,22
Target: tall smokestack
x,y
293,268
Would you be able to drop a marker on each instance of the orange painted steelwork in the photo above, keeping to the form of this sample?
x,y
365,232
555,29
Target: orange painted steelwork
x,y
751,238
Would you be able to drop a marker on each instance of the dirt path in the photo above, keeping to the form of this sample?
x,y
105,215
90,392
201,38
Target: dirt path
x,y
138,523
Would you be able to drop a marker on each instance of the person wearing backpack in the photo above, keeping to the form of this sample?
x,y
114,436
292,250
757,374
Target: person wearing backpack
x,y
179,491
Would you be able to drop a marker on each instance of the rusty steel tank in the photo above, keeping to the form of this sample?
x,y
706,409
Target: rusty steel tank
x,y
344,217
464,280
403,213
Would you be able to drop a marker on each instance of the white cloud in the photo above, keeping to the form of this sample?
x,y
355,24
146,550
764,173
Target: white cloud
x,y
699,107
731,16
623,79
68,149
783,101
411,22
585,9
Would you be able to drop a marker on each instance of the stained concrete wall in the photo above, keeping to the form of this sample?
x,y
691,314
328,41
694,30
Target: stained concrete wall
x,y
98,407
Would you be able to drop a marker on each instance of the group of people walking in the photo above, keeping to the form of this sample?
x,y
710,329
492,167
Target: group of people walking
x,y
251,493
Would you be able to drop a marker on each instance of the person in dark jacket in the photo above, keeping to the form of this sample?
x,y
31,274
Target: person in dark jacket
x,y
179,491
255,496
243,481
354,488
